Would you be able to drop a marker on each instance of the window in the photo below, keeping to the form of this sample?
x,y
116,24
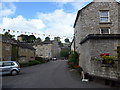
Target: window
x,y
104,30
1,64
8,64
104,16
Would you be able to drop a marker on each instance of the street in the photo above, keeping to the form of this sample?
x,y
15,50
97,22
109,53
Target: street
x,y
54,74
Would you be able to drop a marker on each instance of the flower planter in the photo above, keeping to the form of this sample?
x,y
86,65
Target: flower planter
x,y
104,62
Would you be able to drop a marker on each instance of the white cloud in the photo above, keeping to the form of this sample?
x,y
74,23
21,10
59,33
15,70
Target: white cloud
x,y
21,24
59,23
7,10
64,1
46,0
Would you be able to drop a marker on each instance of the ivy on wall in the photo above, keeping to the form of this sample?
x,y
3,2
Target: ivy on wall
x,y
14,52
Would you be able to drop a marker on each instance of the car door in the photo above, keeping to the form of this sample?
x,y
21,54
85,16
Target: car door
x,y
6,68
1,64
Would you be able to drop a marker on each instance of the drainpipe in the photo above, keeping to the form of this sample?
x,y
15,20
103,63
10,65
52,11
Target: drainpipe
x,y
74,42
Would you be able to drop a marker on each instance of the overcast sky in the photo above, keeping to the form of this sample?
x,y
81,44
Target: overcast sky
x,y
49,18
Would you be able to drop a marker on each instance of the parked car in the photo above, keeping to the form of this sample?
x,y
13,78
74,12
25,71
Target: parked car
x,y
9,67
54,59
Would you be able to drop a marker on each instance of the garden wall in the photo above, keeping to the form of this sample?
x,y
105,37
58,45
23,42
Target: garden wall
x,y
90,55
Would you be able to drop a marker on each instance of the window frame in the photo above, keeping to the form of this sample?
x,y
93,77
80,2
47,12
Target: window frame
x,y
104,16
105,28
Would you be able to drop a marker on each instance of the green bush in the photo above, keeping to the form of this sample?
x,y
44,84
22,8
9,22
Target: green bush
x,y
74,58
65,53
24,64
30,63
34,62
79,69
40,59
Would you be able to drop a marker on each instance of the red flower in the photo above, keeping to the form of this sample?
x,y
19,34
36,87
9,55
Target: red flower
x,y
76,66
104,54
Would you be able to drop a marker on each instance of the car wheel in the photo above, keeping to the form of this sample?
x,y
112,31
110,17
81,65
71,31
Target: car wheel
x,y
14,72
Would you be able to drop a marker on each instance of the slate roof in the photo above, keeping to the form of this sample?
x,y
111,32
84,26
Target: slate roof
x,y
47,42
42,43
10,41
7,40
25,45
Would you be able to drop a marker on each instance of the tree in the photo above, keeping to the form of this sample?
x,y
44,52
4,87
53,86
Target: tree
x,y
57,39
39,39
32,38
67,40
47,39
7,34
28,39
65,52
60,44
24,37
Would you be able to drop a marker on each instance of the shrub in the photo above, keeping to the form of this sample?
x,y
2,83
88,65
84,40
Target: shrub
x,y
78,68
34,62
24,64
40,59
73,59
30,63
65,52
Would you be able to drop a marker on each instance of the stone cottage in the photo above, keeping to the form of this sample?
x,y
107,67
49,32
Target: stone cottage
x,y
97,31
25,52
14,50
6,47
47,49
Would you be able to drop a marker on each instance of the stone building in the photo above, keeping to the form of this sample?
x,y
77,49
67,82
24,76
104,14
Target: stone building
x,y
97,31
6,47
17,51
47,49
25,52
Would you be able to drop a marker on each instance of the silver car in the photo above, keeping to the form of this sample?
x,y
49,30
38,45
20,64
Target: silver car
x,y
9,67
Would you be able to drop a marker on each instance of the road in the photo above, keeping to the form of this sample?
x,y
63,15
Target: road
x,y
54,74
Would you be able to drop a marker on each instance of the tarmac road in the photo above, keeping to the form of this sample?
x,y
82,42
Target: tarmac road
x,y
54,74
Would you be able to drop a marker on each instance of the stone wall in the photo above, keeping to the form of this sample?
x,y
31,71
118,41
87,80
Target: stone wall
x,y
0,47
119,18
49,50
26,55
0,50
6,51
88,21
105,71
44,50
90,55
56,49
